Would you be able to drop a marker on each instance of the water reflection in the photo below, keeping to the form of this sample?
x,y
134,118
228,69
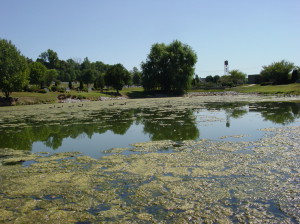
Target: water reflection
x,y
279,113
158,123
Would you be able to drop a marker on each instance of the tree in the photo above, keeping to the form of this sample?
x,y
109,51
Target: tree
x,y
277,72
50,59
237,77
50,76
216,78
89,76
37,73
86,64
99,82
295,75
169,67
117,76
14,72
209,79
136,76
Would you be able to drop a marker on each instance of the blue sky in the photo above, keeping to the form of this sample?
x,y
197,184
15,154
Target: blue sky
x,y
247,33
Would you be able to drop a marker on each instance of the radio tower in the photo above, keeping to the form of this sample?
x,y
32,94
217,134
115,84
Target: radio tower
x,y
226,68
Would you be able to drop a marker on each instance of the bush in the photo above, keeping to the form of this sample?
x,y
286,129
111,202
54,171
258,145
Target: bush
x,y
61,90
53,88
80,97
32,89
42,91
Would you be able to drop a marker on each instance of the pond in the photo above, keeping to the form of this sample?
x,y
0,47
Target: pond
x,y
100,130
181,160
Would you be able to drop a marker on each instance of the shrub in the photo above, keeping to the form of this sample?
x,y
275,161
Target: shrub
x,y
42,91
61,90
53,88
32,89
80,97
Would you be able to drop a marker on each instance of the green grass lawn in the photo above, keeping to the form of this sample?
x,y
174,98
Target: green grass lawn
x,y
271,89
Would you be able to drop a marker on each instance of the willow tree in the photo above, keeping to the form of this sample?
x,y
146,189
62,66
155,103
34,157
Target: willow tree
x,y
14,72
169,67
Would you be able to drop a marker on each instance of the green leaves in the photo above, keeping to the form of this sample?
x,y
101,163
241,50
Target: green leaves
x,y
277,72
13,68
169,67
117,76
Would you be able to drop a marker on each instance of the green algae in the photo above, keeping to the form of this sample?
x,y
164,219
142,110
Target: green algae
x,y
205,182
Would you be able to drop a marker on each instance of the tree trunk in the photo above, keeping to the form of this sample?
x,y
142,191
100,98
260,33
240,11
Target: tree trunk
x,y
6,93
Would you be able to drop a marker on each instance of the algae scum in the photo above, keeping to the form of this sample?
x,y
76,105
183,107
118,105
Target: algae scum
x,y
178,177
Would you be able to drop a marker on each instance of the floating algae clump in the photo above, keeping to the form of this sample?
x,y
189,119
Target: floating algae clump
x,y
203,182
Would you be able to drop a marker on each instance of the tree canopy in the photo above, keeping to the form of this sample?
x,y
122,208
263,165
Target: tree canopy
x,y
237,77
117,76
37,73
13,68
169,67
277,72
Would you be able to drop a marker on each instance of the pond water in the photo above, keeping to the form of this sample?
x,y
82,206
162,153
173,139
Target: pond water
x,y
224,162
101,130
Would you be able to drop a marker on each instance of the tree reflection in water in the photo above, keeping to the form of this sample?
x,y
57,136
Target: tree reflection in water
x,y
158,123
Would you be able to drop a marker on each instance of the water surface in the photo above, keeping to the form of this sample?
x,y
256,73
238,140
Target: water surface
x,y
114,128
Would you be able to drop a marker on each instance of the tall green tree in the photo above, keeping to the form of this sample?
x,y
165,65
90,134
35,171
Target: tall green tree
x,y
50,59
50,76
99,82
136,76
277,72
14,72
117,76
169,67
37,73
89,76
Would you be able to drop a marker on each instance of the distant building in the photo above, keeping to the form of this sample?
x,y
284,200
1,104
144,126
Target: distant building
x,y
254,79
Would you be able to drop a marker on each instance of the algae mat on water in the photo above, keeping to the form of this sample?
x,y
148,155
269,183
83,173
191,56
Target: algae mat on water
x,y
198,182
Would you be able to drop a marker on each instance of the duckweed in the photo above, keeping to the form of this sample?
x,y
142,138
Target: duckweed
x,y
211,182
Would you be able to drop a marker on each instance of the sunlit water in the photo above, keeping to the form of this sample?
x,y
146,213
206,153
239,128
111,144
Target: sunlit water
x,y
115,129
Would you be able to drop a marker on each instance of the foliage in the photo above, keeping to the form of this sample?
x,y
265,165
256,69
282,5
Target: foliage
x,y
89,76
277,72
37,73
99,82
14,72
237,77
169,67
49,58
136,76
209,79
117,76
42,91
50,76
226,80
86,64
295,75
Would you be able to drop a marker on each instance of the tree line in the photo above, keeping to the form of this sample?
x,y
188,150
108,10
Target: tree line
x,y
277,73
168,68
19,73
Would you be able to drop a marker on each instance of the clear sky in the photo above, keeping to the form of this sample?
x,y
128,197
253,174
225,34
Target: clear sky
x,y
247,33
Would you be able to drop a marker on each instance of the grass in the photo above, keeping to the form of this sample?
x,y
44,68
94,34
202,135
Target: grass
x,y
138,92
271,89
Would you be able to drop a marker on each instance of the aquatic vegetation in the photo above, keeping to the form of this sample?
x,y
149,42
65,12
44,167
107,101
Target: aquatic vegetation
x,y
197,181
179,180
